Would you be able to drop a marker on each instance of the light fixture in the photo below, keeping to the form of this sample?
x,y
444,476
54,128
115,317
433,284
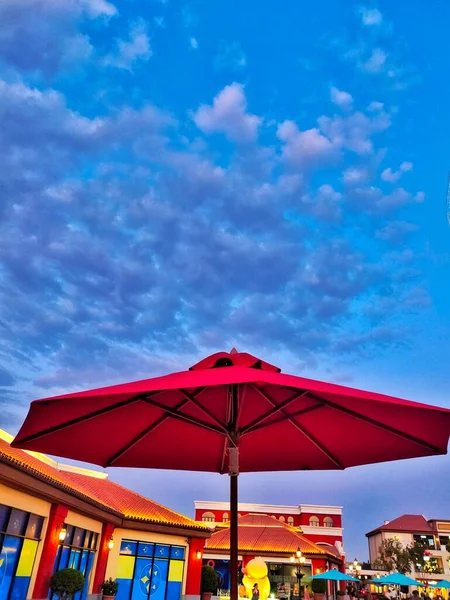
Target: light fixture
x,y
111,543
292,559
62,533
199,555
298,553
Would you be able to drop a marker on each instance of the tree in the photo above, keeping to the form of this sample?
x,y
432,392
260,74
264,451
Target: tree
x,y
393,556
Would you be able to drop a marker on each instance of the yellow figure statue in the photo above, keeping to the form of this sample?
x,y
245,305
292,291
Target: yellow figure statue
x,y
255,580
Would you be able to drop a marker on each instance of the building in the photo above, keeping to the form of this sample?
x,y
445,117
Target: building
x,y
275,533
320,524
54,516
433,534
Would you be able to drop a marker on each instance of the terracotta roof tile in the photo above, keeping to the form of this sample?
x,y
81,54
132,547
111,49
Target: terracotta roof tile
x,y
261,533
102,493
406,523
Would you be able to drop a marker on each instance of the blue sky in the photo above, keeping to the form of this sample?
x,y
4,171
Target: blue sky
x,y
180,178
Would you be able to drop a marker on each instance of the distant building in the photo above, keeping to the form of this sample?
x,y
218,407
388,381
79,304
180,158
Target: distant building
x,y
275,533
434,534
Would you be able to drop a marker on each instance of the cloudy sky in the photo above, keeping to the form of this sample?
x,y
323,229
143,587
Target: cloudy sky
x,y
184,177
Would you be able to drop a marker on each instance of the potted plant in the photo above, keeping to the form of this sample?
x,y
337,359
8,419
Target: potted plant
x,y
67,582
319,587
109,588
210,582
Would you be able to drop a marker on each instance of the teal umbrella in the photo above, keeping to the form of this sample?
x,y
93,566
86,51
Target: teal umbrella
x,y
441,584
396,579
334,575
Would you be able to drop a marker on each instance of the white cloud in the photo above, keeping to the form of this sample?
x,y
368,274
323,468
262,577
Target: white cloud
x,y
376,61
354,132
136,48
228,115
354,176
393,176
340,98
194,43
302,147
370,16
99,8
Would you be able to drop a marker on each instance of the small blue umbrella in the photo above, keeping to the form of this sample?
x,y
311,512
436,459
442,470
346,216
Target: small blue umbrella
x,y
441,584
334,575
396,579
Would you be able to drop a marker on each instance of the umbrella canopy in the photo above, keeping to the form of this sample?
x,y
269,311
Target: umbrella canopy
x,y
335,575
396,579
228,413
441,585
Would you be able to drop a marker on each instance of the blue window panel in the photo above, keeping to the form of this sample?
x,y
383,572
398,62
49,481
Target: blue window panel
x,y
145,549
159,579
63,555
177,552
83,568
124,589
173,590
74,559
127,547
162,551
20,588
8,563
143,575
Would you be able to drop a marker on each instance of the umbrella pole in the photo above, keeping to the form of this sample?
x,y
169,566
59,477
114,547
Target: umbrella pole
x,y
233,470
233,537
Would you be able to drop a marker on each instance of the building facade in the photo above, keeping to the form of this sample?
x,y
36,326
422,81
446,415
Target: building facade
x,y
320,524
275,533
433,534
54,516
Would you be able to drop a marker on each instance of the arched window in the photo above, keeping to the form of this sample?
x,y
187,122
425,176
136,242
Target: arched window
x,y
208,517
328,522
314,522
282,519
225,518
290,520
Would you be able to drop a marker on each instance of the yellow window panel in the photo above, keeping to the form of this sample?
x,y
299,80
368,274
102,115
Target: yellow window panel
x,y
126,567
176,570
26,559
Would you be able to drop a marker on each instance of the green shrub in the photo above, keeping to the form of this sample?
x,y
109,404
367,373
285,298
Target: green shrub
x,y
67,582
210,580
110,587
319,586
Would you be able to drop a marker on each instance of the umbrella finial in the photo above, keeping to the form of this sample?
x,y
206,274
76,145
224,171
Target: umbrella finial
x,y
234,351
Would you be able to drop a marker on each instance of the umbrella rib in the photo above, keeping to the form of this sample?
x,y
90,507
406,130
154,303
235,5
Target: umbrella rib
x,y
88,417
110,462
207,412
186,418
308,435
376,423
259,422
276,408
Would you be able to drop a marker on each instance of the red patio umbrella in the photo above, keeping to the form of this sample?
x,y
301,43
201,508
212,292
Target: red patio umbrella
x,y
233,412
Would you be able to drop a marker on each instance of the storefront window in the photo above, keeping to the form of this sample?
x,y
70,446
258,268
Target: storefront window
x,y
20,533
150,571
78,552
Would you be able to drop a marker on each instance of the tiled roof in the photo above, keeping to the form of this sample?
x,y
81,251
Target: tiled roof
x,y
261,533
132,505
102,493
407,524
